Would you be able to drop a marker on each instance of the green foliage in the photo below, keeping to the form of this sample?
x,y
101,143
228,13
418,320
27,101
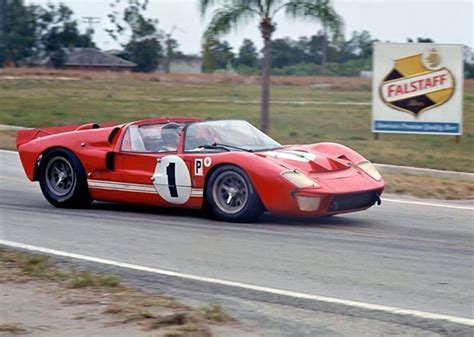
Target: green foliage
x,y
85,278
420,40
143,45
300,69
319,11
242,69
349,68
230,15
247,54
145,54
58,58
217,55
35,30
468,70
17,32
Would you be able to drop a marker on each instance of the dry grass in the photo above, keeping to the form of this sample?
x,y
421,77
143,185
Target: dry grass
x,y
429,187
86,278
152,313
343,83
15,329
26,267
125,305
215,313
7,140
338,83
300,114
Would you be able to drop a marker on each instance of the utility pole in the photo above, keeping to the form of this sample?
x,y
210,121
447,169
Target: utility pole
x,y
169,47
90,21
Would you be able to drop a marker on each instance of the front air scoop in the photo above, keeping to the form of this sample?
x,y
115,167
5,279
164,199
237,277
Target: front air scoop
x,y
311,162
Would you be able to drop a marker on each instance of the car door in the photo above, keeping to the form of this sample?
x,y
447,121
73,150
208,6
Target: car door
x,y
160,178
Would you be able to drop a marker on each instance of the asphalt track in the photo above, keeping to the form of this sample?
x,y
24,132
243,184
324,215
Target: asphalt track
x,y
414,256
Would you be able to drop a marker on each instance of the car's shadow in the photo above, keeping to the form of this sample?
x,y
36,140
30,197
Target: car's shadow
x,y
339,221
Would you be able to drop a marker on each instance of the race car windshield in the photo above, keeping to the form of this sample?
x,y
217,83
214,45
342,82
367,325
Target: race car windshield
x,y
233,134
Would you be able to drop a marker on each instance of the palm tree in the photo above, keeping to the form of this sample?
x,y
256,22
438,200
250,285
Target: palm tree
x,y
228,14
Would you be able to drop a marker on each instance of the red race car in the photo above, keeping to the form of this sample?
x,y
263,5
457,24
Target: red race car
x,y
226,166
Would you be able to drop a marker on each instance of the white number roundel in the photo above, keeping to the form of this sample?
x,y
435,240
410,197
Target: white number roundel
x,y
172,180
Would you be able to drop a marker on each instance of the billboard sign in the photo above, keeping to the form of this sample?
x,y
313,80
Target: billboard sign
x,y
417,88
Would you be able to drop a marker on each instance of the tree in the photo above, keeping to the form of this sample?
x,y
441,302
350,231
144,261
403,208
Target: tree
x,y
231,13
143,43
171,51
421,40
34,30
217,55
17,32
56,30
247,54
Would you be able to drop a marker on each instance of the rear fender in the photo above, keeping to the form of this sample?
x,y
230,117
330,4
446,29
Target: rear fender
x,y
92,146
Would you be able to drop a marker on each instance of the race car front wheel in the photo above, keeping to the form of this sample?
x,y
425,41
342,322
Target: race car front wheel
x,y
63,179
232,196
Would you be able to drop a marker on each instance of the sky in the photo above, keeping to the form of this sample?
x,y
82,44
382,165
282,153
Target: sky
x,y
448,21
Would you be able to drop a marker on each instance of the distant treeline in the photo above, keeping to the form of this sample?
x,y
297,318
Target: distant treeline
x,y
313,55
303,56
45,31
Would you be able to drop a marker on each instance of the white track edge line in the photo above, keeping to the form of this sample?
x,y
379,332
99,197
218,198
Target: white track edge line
x,y
350,303
422,203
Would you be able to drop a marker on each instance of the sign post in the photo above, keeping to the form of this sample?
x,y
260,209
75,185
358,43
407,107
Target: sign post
x,y
417,88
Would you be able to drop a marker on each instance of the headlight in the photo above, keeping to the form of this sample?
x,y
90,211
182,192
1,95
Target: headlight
x,y
299,179
370,169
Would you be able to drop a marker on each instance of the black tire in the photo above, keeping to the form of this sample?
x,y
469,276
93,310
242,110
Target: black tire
x,y
242,207
63,180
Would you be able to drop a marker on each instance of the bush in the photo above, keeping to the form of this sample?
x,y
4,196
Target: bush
x,y
243,69
301,69
348,68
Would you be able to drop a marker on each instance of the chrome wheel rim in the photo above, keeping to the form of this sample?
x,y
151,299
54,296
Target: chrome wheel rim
x,y
60,177
230,192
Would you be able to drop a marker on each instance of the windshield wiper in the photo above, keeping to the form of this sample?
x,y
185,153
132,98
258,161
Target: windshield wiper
x,y
224,146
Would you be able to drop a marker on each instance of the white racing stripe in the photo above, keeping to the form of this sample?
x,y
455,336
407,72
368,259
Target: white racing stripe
x,y
115,186
198,192
130,187
422,203
331,300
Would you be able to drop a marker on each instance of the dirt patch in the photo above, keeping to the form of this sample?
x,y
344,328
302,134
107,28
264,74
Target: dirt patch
x,y
15,329
315,82
40,299
429,187
7,140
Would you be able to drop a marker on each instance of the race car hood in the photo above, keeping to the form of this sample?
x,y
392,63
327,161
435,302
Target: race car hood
x,y
307,160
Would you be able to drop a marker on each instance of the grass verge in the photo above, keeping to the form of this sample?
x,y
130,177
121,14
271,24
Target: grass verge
x,y
7,140
14,329
429,187
301,111
125,305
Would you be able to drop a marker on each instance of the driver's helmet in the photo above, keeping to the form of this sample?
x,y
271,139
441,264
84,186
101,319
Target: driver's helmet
x,y
169,133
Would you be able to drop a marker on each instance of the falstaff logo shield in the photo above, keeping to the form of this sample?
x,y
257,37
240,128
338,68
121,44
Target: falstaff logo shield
x,y
417,83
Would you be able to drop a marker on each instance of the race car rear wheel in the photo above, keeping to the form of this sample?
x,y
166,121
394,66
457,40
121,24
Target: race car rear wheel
x,y
63,179
232,196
